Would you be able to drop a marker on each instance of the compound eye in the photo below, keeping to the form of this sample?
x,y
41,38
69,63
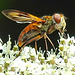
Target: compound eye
x,y
57,18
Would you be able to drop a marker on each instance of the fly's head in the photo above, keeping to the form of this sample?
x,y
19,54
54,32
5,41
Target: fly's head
x,y
59,21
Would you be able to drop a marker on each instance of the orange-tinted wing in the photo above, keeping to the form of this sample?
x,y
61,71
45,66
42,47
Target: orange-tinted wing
x,y
29,33
21,17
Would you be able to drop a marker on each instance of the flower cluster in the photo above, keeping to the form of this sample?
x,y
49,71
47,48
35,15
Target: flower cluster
x,y
30,63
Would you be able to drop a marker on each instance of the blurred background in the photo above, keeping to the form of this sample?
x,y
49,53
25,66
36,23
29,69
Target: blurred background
x,y
37,8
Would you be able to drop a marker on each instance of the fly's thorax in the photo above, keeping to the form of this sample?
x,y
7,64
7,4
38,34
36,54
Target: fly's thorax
x,y
48,22
46,26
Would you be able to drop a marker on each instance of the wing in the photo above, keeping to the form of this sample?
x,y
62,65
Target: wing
x,y
29,34
21,17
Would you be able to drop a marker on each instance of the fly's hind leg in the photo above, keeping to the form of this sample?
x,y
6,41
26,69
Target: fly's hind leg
x,y
45,54
36,47
46,37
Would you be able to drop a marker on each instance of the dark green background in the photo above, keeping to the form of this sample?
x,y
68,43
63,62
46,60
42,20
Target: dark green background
x,y
38,8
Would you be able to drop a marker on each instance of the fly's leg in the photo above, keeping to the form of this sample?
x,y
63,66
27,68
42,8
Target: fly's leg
x,y
36,47
45,54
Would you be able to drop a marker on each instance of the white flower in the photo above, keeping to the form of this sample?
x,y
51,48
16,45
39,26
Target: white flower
x,y
2,73
30,63
72,60
10,73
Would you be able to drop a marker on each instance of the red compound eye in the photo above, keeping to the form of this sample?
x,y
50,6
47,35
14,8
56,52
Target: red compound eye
x,y
57,18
